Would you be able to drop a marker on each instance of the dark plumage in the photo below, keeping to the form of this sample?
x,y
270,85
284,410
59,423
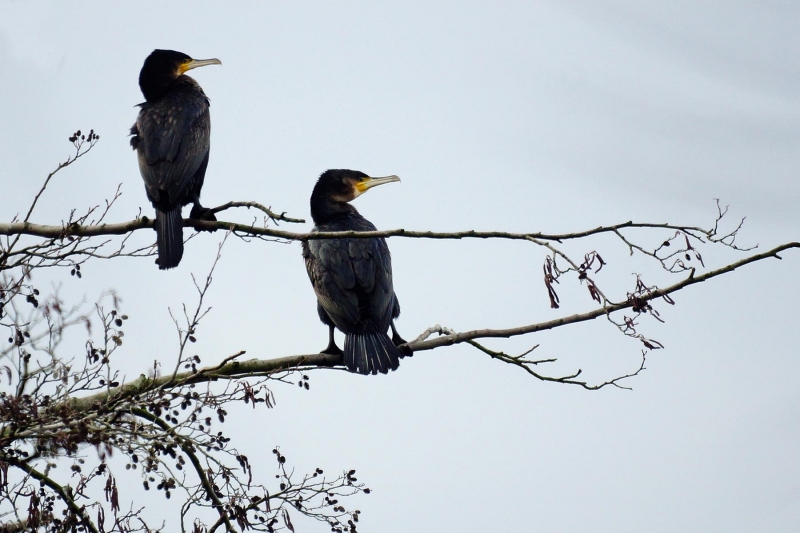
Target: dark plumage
x,y
353,277
172,138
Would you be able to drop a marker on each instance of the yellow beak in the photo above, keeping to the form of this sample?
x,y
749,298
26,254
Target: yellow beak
x,y
368,183
195,63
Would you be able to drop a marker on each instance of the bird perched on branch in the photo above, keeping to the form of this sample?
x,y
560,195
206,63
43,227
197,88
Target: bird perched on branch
x,y
353,277
172,138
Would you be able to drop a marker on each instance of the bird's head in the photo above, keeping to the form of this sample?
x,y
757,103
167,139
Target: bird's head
x,y
335,188
162,67
342,185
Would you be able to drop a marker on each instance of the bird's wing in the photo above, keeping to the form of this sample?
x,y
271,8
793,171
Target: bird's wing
x,y
375,278
173,142
352,277
372,262
372,266
364,257
331,273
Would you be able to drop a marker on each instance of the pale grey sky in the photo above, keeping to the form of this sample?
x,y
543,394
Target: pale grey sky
x,y
524,116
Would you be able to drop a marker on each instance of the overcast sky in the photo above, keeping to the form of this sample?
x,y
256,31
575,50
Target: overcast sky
x,y
523,116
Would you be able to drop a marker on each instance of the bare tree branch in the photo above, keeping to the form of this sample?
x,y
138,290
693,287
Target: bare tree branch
x,y
275,217
188,449
65,495
74,230
263,367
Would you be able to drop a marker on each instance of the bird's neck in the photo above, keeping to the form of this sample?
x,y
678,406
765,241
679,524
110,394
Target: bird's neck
x,y
324,210
156,88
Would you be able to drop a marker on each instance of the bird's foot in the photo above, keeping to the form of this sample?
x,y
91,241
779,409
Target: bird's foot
x,y
332,349
397,340
202,213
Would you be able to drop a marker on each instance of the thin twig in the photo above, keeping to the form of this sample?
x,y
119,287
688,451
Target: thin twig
x,y
275,217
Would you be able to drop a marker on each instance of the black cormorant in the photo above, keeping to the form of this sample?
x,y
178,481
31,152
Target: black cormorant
x,y
353,277
171,137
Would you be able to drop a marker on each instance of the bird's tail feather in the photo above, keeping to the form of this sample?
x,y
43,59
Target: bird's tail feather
x,y
370,352
169,237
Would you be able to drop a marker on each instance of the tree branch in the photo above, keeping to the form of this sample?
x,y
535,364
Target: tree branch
x,y
262,367
76,230
601,311
275,217
76,510
188,450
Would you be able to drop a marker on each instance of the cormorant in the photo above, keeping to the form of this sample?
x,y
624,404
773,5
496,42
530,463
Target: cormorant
x,y
353,277
171,137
